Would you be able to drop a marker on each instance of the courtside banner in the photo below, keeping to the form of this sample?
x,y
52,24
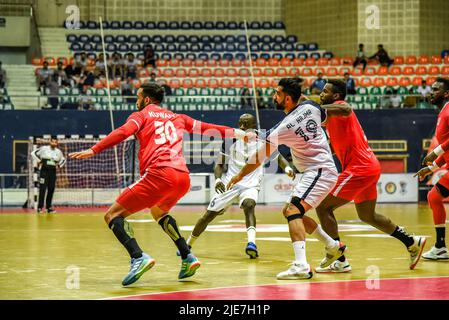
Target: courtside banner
x,y
197,194
397,187
277,188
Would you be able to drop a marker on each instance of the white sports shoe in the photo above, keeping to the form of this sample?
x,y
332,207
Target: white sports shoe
x,y
333,254
335,267
436,254
296,271
416,250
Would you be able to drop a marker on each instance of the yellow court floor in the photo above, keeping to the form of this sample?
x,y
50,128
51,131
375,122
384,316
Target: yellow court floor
x,y
73,255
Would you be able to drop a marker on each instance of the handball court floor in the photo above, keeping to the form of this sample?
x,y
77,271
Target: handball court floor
x,y
73,255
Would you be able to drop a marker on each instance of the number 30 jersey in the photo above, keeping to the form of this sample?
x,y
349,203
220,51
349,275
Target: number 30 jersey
x,y
301,131
160,134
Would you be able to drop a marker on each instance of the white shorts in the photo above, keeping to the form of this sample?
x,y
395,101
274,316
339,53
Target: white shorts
x,y
314,186
221,201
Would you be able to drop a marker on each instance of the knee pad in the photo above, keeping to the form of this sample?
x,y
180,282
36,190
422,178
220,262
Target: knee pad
x,y
297,203
443,190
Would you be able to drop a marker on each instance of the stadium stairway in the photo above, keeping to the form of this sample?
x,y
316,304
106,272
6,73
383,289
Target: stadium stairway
x,y
22,82
54,43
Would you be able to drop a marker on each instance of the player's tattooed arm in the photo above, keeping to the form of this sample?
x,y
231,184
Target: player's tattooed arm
x,y
337,109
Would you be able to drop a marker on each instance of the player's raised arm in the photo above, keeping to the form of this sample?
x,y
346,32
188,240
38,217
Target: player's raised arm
x,y
337,109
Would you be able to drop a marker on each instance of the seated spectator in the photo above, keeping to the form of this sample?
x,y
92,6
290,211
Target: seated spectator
x,y
167,88
86,81
52,90
100,70
149,56
424,90
152,78
62,76
246,98
70,72
131,65
382,56
81,63
43,76
395,99
85,102
411,99
116,66
318,85
128,90
385,101
350,84
360,57
2,76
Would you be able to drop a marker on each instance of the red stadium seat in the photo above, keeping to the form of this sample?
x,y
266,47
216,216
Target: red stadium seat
x,y
373,62
224,63
72,61
194,72
236,63
263,83
331,72
394,71
382,71
274,82
310,62
445,70
436,60
411,60
307,82
175,83
281,72
168,73
238,83
260,62
137,83
408,70
446,59
213,83
257,72
246,63
323,62
298,62
431,80
423,59
226,83
231,72
187,63
200,83
37,61
357,72
63,60
294,72
347,61
273,62
158,72
306,72
218,72
398,60
199,63
365,82
335,62
143,73
416,81
174,63
211,63
392,82
434,70
285,62
269,72
206,72
378,82
370,71
315,71
51,61
421,70
405,82
161,63
187,83
343,70
98,84
244,72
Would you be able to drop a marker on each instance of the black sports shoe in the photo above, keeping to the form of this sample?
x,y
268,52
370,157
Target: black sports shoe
x,y
51,210
39,210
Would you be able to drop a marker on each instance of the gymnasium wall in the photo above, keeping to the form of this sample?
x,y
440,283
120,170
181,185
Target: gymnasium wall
x,y
433,26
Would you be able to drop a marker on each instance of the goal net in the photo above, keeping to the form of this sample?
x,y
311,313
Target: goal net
x,y
86,182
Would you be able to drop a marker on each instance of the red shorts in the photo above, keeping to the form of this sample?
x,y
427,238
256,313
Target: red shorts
x,y
162,187
356,187
444,180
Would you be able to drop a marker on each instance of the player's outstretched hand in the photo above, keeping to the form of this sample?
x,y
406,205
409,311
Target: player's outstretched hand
x,y
85,154
424,172
219,186
429,159
291,173
233,182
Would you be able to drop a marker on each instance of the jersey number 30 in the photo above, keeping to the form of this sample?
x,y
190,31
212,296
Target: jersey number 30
x,y
165,131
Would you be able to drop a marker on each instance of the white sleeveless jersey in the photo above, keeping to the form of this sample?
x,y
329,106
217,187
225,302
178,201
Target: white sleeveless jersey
x,y
238,155
301,131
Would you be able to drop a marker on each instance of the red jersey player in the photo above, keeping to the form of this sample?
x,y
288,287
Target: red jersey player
x,y
358,179
436,159
164,175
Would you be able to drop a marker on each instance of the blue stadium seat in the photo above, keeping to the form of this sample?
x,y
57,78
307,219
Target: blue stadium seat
x,y
127,25
279,39
166,56
75,46
183,47
123,47
254,56
215,56
98,47
186,25
121,38
267,25
301,47
254,39
181,39
83,38
255,25
288,47
276,47
265,56
159,47
254,47
158,39
312,46
209,25
203,56
106,25
328,55
218,46
140,56
173,25
279,25
72,38
241,39
232,25
171,47
162,25
92,25
240,56
278,55
95,38
109,39
150,25
82,25
265,47
205,39
194,39
292,39
241,25
191,56
196,47
136,47
266,39
231,47
229,39
179,56
242,47
115,25
88,47
207,47
133,38
290,55
145,39
139,25
220,25
302,55
227,56
169,39
197,25
111,47
315,55
217,39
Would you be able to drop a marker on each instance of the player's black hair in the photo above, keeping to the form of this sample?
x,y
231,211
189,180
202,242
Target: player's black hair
x,y
291,87
338,86
444,81
153,90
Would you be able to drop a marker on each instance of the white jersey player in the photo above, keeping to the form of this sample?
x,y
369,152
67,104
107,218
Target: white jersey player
x,y
301,131
246,191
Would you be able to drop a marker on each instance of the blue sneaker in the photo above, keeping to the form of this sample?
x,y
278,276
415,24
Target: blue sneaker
x,y
179,253
189,266
138,267
251,250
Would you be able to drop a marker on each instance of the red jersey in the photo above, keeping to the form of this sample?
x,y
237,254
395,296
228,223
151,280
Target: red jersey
x,y
160,134
351,146
442,133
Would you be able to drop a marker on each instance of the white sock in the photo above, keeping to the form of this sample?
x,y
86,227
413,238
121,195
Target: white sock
x,y
251,232
324,237
300,252
191,240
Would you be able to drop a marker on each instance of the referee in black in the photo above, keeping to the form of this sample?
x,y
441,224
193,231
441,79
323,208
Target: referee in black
x,y
48,158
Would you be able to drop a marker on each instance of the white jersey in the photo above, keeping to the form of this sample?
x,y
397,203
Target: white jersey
x,y
238,153
48,156
301,131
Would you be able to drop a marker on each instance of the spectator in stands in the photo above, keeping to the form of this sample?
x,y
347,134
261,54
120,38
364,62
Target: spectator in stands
x,y
85,102
149,56
44,76
350,84
53,91
385,101
382,56
70,72
80,64
360,57
318,85
99,70
152,78
131,65
424,90
128,90
63,80
167,88
410,100
245,100
86,81
116,65
2,76
395,99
